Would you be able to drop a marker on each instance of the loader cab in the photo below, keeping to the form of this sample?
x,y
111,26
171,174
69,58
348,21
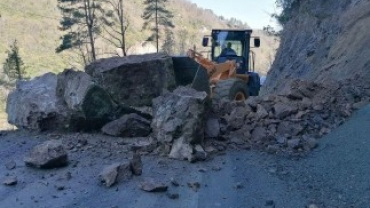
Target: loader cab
x,y
239,40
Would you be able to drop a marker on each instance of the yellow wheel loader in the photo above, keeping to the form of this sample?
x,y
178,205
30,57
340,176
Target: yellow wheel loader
x,y
229,73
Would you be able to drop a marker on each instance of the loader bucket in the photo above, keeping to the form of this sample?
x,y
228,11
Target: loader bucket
x,y
190,73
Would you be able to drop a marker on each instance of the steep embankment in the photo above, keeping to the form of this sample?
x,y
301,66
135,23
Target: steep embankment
x,y
323,40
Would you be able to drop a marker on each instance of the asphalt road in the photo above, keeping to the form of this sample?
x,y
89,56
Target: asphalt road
x,y
336,174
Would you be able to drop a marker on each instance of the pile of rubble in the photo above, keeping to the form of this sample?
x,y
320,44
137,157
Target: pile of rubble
x,y
183,124
293,120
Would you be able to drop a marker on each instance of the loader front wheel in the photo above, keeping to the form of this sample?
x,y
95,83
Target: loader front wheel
x,y
230,89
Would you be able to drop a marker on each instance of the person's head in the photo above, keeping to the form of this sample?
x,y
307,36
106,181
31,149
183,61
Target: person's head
x,y
228,45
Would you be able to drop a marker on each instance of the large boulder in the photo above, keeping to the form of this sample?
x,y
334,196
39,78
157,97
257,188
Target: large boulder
x,y
90,105
35,105
134,80
179,121
69,100
50,154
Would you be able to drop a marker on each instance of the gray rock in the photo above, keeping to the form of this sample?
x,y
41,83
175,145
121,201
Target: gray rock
x,y
237,117
289,128
34,104
283,110
130,125
212,129
272,148
261,112
360,104
115,173
90,105
174,182
50,154
259,134
173,195
194,185
152,185
312,206
179,119
69,100
182,150
310,142
10,181
134,80
136,164
294,143
10,165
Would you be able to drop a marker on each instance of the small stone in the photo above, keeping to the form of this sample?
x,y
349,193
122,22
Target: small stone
x,y
174,182
318,107
294,143
202,170
312,206
194,185
173,195
136,164
50,154
59,187
216,168
10,165
261,112
238,185
10,181
310,142
270,203
115,173
212,128
281,139
210,149
151,185
272,148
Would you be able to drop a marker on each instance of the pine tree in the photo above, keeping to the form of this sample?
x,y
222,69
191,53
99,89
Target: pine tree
x,y
156,15
82,20
169,42
13,65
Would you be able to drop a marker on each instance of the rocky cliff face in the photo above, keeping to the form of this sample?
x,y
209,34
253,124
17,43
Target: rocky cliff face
x,y
324,40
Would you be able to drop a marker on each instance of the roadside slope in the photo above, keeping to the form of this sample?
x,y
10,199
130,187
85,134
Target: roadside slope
x,y
323,40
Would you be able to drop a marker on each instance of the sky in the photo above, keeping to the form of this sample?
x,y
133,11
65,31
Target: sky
x,y
256,13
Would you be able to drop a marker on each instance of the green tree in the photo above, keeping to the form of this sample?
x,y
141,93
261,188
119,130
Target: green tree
x,y
169,42
156,15
82,20
286,10
13,65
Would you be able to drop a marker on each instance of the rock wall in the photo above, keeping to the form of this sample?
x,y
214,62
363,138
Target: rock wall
x,y
324,40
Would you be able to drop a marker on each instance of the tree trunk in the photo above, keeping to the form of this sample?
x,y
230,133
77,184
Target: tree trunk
x,y
18,65
90,23
123,29
156,21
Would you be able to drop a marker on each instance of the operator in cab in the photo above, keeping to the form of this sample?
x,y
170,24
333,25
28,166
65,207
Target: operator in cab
x,y
228,51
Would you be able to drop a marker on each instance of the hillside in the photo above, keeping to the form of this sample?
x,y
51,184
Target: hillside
x,y
324,40
34,24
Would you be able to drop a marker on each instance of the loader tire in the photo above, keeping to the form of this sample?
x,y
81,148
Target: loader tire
x,y
230,89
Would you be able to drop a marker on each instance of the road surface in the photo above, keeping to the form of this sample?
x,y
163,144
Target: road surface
x,y
336,174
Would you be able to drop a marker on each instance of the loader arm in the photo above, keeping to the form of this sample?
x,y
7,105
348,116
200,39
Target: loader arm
x,y
215,71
